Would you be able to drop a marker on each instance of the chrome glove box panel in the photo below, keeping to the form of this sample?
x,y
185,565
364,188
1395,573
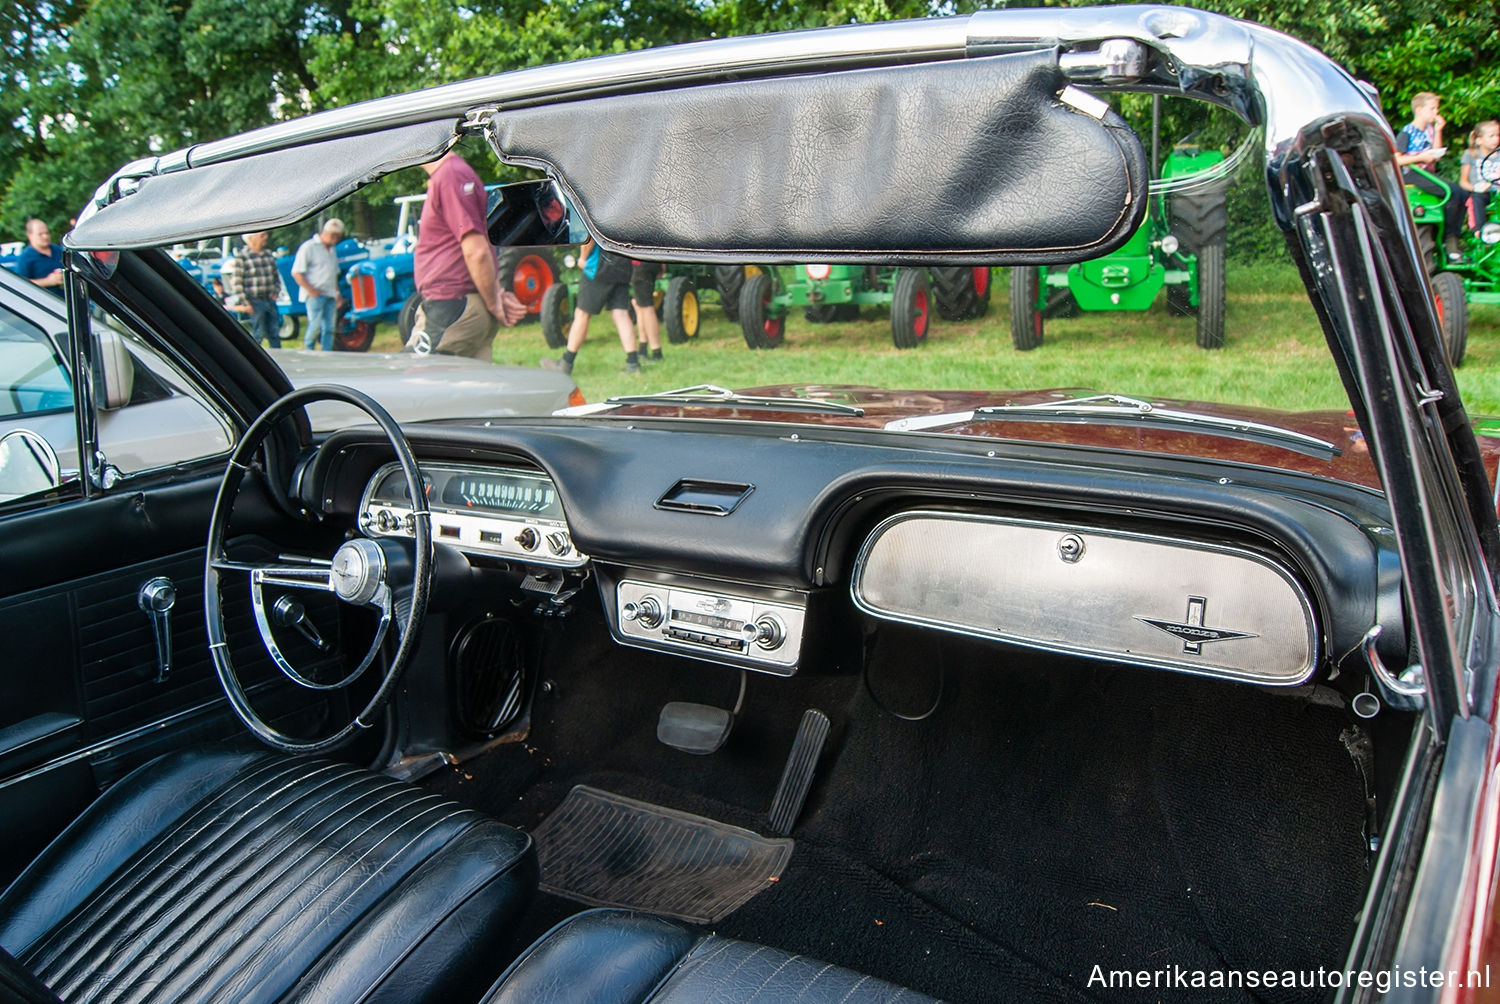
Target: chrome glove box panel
x,y
1174,604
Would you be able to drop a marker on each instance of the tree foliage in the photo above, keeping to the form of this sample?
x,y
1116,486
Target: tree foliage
x,y
91,84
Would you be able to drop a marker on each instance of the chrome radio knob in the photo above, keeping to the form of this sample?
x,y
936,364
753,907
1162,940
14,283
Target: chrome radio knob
x,y
646,612
769,631
528,539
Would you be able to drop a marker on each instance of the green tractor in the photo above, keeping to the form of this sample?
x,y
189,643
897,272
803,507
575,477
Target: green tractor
x,y
1464,268
1181,246
680,292
837,292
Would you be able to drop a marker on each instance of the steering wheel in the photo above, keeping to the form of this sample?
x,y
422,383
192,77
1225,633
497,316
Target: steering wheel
x,y
358,574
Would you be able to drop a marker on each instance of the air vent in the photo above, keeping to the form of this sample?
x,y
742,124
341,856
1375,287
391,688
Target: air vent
x,y
711,498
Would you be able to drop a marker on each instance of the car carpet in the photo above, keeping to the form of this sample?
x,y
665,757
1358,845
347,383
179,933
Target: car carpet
x,y
1052,815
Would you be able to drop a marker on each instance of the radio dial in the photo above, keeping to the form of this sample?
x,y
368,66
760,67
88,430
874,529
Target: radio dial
x,y
646,613
769,631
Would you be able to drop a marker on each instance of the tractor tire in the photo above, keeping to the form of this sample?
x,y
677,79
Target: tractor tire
x,y
1428,242
761,330
729,280
1211,296
556,315
350,335
407,319
911,308
830,313
960,294
1179,304
680,310
1200,219
291,331
1026,322
528,273
1452,308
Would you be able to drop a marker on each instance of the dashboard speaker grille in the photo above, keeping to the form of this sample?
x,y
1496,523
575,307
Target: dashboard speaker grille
x,y
488,675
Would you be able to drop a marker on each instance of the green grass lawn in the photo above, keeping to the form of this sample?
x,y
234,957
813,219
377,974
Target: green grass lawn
x,y
1274,354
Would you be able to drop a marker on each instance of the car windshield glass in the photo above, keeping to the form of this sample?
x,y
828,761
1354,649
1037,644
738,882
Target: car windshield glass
x,y
1199,315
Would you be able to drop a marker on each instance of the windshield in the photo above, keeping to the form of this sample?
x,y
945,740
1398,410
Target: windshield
x,y
1199,319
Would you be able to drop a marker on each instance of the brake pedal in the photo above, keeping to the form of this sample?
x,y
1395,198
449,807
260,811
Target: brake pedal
x,y
797,777
699,729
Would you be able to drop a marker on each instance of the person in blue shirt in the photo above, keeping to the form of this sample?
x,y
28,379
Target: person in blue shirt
x,y
40,260
605,286
1420,144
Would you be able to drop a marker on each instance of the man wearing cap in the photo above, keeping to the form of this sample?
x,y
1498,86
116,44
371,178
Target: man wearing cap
x,y
462,302
316,271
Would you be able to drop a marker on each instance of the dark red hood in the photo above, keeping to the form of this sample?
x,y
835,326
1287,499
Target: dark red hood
x,y
1352,464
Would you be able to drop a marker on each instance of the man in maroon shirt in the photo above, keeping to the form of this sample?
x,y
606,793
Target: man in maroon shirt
x,y
462,303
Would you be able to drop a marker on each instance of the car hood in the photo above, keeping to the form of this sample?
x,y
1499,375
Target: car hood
x,y
417,388
1349,462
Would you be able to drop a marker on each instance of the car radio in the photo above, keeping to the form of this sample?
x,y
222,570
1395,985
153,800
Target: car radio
x,y
753,632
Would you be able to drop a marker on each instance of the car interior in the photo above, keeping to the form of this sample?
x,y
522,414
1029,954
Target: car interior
x,y
693,703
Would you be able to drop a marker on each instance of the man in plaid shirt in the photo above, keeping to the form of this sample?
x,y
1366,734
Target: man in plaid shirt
x,y
256,279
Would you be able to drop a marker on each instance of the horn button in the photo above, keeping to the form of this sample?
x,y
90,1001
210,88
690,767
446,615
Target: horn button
x,y
358,571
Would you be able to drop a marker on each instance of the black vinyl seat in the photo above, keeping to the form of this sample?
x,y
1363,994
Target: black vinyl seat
x,y
252,876
621,957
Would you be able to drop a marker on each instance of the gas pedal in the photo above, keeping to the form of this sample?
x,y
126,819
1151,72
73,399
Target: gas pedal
x,y
797,777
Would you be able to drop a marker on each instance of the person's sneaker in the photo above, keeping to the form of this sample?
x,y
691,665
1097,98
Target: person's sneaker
x,y
631,367
556,365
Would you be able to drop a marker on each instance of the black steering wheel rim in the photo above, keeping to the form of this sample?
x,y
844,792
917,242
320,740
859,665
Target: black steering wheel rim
x,y
217,561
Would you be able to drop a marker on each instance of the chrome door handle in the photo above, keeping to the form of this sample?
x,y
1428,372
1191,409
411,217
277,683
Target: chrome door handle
x,y
156,599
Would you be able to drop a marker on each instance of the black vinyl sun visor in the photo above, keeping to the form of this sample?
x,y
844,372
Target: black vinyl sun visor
x,y
257,192
993,159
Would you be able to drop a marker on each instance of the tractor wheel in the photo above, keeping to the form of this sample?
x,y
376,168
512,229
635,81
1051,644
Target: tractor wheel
x,y
1025,315
1427,240
911,308
1179,304
291,331
828,313
1200,219
762,331
1453,315
680,310
1211,292
528,273
961,293
730,279
556,315
407,319
350,335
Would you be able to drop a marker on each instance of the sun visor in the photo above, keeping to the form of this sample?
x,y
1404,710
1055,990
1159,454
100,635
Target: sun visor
x,y
993,159
258,192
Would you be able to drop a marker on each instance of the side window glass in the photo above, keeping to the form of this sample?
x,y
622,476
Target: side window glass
x,y
150,414
38,435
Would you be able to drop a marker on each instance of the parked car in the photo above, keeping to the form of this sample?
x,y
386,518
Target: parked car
x,y
1000,694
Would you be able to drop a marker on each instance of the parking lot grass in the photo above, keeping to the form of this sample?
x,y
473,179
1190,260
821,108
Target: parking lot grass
x,y
1274,353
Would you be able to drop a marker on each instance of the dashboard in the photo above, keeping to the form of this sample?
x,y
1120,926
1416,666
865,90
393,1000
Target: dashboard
x,y
1162,563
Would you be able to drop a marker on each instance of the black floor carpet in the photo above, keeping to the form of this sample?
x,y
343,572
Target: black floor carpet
x,y
1048,818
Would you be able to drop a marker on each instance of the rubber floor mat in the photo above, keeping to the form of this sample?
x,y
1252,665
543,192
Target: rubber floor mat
x,y
607,850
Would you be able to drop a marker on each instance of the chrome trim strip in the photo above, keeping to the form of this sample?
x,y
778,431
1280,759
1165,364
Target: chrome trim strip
x,y
105,745
861,564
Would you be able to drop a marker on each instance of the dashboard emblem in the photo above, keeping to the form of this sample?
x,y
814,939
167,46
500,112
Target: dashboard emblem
x,y
1191,629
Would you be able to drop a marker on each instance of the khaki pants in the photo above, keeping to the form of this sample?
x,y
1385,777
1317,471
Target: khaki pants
x,y
472,335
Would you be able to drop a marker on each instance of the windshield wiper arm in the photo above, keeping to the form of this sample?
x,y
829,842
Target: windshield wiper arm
x,y
1117,408
707,395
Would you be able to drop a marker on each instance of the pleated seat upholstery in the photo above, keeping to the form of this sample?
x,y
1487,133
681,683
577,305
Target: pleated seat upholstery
x,y
252,876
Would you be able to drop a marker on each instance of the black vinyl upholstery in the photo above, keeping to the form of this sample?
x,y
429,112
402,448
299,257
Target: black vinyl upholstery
x,y
620,957
251,876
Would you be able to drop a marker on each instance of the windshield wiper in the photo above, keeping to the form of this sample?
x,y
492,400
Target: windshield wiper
x,y
1122,410
707,395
